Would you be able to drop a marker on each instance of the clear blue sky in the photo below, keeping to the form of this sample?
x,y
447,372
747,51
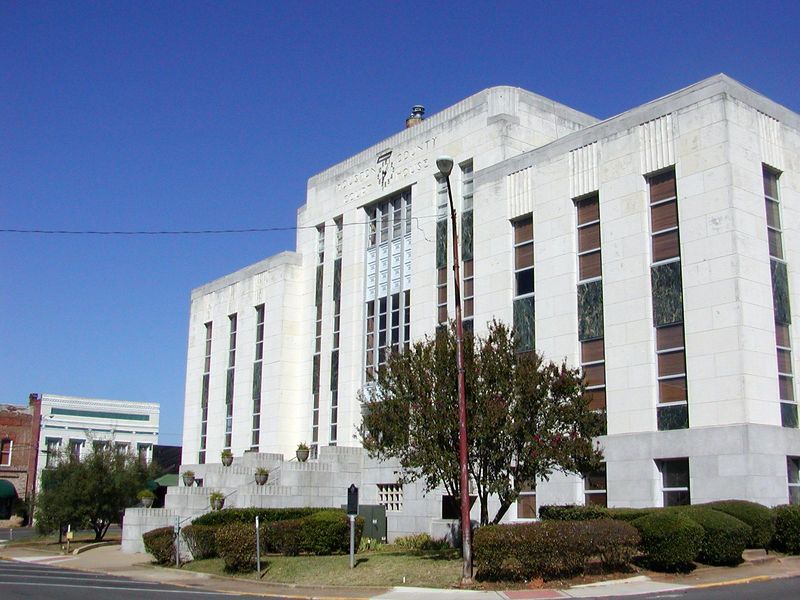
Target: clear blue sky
x,y
208,115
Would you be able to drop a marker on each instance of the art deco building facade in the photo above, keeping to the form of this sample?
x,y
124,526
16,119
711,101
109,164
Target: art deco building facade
x,y
657,249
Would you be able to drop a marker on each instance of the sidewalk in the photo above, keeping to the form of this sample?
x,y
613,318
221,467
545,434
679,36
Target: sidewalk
x,y
109,560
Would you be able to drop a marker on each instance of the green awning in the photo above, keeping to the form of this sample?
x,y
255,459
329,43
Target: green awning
x,y
7,490
168,480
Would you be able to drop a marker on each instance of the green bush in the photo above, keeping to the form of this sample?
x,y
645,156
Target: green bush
x,y
161,544
670,540
757,516
724,536
282,537
248,515
201,540
328,532
629,514
550,549
236,545
571,512
787,528
422,542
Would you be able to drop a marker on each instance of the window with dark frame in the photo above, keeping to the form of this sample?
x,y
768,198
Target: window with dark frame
x,y
201,458
467,245
442,207
523,305
337,311
793,477
230,380
526,501
675,481
6,447
595,487
258,368
317,358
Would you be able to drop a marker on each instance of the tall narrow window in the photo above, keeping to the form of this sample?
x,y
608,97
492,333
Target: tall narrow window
x,y
258,367
591,328
315,366
53,447
76,448
467,245
594,487
793,476
672,411
201,458
523,284
230,380
780,299
388,281
144,453
5,452
441,250
675,481
337,311
526,502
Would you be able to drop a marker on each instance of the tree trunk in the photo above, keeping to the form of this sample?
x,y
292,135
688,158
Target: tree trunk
x,y
504,506
484,497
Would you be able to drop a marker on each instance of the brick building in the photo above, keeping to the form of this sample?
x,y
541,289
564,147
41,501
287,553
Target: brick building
x,y
19,440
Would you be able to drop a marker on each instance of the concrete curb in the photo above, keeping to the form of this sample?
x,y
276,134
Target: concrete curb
x,y
83,549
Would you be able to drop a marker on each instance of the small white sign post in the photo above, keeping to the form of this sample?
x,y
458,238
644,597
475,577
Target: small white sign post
x,y
258,550
352,511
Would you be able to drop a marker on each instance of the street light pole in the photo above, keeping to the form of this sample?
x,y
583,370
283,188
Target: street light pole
x,y
445,166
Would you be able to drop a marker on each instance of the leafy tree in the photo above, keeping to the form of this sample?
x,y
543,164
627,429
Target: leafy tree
x,y
90,492
526,417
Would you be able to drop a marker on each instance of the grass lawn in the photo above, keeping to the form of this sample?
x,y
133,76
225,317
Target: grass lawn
x,y
384,567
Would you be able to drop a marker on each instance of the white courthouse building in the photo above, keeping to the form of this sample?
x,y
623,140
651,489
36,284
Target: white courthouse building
x,y
657,249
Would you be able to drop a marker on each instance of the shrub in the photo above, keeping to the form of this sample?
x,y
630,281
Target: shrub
x,y
248,515
201,540
282,537
236,544
328,532
787,528
724,536
629,514
615,543
670,540
422,542
570,512
161,544
757,516
547,549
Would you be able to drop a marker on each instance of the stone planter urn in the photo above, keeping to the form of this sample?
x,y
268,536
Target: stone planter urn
x,y
188,479
217,501
147,502
227,458
261,477
302,454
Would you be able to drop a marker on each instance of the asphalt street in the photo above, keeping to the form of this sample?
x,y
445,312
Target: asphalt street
x,y
774,589
29,580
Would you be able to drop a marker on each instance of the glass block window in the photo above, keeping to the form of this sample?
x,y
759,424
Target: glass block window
x,y
780,299
441,250
594,487
390,495
229,382
672,410
201,458
258,365
526,501
467,245
523,284
388,282
793,476
675,481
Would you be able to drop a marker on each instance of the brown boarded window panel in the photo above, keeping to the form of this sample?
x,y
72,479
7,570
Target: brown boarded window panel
x,y
469,307
589,237
526,507
773,214
665,246
588,210
775,245
597,499
770,183
782,335
468,268
664,216
597,399
595,480
669,337
592,351
590,265
672,390
662,186
523,256
441,277
786,388
671,363
523,230
469,287
785,362
442,314
595,375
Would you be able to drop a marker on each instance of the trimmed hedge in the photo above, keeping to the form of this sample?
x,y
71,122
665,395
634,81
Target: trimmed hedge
x,y
787,528
422,542
161,544
630,514
670,540
236,545
227,516
724,536
757,516
282,537
201,540
550,549
572,512
328,532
